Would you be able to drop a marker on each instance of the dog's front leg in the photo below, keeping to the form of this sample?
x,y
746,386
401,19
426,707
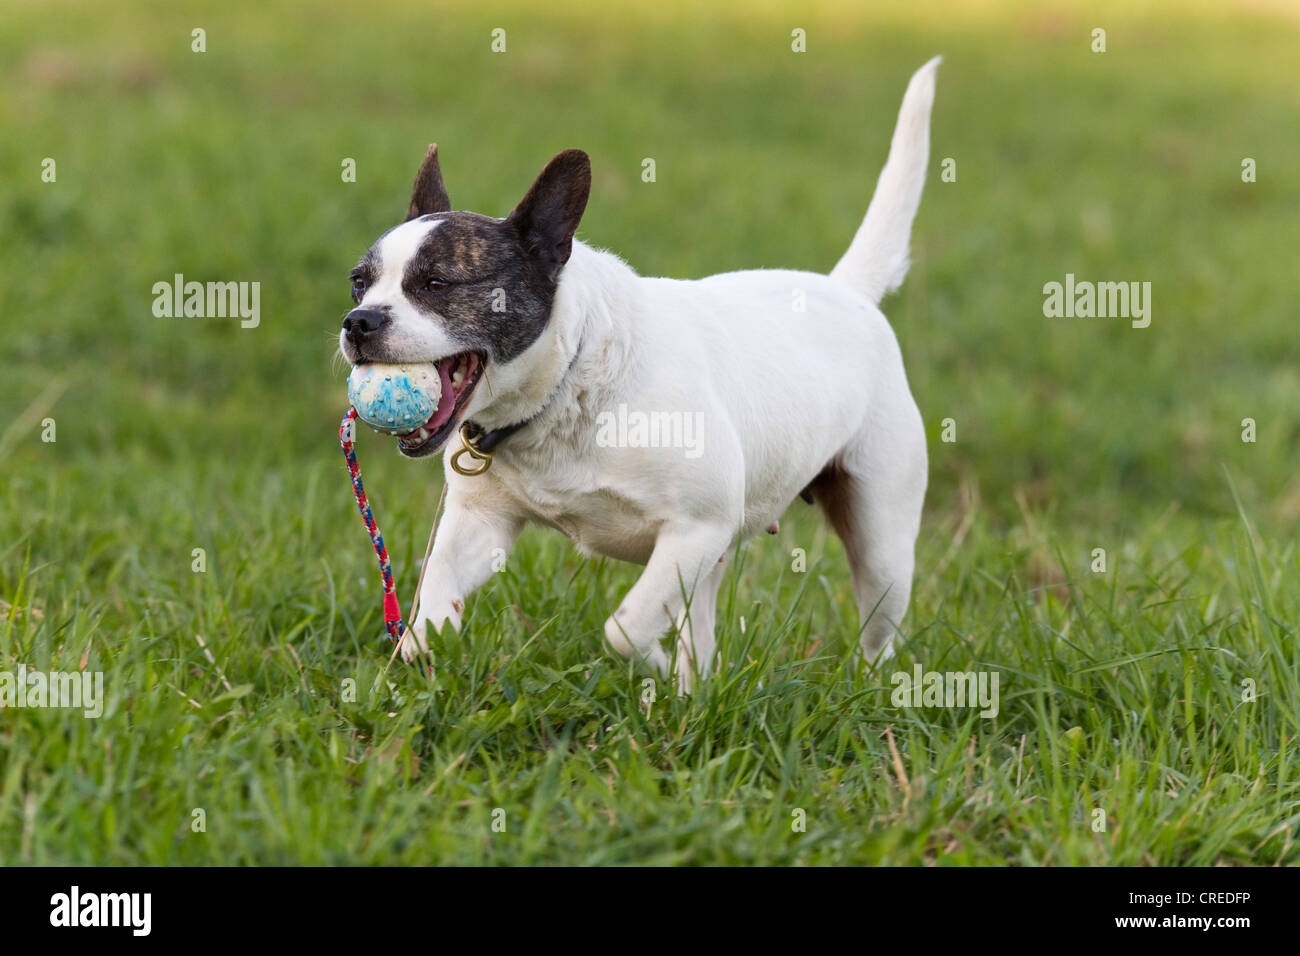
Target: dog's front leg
x,y
470,545
682,560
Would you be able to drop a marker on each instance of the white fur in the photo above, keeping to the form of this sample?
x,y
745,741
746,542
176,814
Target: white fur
x,y
876,261
783,394
413,337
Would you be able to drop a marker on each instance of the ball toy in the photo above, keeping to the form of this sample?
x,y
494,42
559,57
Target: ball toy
x,y
394,399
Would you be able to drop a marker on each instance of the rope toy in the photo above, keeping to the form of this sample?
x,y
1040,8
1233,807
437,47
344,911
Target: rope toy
x,y
393,400
393,622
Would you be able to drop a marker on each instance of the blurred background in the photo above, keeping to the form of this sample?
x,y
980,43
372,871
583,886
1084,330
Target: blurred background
x,y
194,486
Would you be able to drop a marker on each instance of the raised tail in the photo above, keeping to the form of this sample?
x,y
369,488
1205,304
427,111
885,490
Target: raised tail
x,y
876,261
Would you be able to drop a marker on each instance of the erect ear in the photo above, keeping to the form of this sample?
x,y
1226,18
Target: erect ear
x,y
429,194
547,217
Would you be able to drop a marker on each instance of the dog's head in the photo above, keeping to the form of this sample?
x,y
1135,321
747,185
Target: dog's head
x,y
461,290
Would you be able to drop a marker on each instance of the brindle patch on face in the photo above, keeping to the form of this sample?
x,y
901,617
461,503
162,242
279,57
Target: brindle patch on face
x,y
367,270
473,272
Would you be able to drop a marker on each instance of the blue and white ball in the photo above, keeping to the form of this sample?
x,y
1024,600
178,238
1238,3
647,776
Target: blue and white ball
x,y
394,399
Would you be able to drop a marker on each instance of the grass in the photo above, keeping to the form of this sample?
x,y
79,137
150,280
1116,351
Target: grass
x,y
1127,691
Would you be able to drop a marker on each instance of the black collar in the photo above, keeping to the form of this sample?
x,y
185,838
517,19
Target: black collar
x,y
485,442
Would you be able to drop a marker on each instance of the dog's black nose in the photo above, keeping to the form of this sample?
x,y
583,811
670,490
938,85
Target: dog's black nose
x,y
359,323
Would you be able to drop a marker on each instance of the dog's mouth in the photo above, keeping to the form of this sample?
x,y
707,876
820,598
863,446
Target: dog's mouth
x,y
459,374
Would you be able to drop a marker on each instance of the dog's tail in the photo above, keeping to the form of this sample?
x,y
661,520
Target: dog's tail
x,y
876,261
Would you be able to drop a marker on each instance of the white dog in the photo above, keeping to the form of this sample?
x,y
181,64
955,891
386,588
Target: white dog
x,y
796,379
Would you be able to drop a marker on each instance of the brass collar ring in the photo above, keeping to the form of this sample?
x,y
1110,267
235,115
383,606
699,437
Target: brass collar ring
x,y
468,445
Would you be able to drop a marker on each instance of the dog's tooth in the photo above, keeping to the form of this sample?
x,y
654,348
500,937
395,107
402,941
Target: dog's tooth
x,y
424,433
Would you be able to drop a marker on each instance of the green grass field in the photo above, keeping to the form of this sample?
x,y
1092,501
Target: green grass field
x,y
1164,691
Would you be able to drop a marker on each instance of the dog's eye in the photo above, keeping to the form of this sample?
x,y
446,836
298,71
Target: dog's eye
x,y
436,285
358,287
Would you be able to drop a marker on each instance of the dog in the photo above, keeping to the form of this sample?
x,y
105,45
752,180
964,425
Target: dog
x,y
537,335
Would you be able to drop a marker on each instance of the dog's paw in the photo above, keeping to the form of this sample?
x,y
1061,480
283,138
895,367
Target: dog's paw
x,y
685,679
428,622
413,644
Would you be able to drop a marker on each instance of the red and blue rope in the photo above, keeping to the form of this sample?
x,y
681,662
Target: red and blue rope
x,y
392,610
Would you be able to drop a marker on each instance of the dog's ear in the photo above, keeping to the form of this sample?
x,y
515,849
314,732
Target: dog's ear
x,y
547,217
429,194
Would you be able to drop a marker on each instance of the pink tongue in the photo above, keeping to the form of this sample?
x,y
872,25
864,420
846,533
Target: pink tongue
x,y
447,401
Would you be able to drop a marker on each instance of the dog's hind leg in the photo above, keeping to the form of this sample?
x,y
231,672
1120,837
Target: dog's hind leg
x,y
697,641
872,494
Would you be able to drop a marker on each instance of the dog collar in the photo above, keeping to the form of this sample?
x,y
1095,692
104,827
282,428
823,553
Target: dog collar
x,y
480,445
